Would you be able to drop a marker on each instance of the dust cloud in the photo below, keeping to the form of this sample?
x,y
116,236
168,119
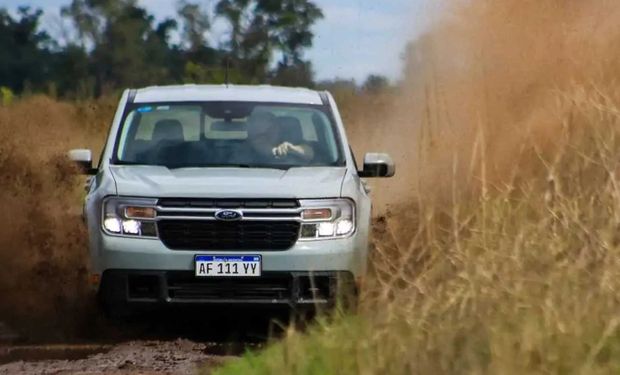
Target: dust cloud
x,y
43,249
486,95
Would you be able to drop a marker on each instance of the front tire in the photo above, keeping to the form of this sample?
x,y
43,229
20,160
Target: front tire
x,y
113,302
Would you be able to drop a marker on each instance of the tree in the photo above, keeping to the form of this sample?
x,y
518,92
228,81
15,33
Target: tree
x,y
126,49
24,53
196,23
201,62
119,44
261,28
290,22
375,83
297,75
236,13
71,72
338,84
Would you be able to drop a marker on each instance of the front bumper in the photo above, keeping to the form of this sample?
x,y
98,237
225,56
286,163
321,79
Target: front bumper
x,y
139,288
122,253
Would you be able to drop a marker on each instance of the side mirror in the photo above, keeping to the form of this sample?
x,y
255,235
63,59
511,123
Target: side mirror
x,y
377,165
84,160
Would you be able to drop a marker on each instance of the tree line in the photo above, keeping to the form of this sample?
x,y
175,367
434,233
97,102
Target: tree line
x,y
113,44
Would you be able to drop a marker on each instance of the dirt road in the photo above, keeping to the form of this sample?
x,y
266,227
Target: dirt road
x,y
176,342
136,357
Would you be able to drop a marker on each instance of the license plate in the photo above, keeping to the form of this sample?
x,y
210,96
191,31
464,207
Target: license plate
x,y
228,265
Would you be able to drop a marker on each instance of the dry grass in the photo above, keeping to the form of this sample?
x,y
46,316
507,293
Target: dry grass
x,y
505,258
522,279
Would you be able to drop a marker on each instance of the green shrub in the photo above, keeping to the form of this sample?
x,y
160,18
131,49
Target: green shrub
x,y
6,95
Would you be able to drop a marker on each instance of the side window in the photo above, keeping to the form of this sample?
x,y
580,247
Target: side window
x,y
307,127
325,135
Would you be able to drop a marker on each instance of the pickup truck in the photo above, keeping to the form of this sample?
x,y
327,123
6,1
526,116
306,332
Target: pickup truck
x,y
226,195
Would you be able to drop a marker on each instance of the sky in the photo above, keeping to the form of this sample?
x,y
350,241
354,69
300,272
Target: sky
x,y
356,38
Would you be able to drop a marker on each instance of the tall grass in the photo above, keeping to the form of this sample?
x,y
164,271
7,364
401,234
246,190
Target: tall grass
x,y
503,256
521,279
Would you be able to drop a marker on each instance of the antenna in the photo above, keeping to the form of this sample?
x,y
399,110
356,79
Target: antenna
x,y
227,70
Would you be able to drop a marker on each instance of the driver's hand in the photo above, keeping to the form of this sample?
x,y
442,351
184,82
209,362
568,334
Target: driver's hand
x,y
286,148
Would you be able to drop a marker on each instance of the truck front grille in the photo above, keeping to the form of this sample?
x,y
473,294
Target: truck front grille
x,y
218,235
264,224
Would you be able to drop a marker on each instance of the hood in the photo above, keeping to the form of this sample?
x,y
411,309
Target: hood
x,y
157,181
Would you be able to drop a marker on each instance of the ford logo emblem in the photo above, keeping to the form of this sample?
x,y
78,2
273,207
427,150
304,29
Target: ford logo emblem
x,y
228,215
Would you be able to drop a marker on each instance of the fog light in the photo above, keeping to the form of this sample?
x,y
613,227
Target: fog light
x,y
344,227
308,231
326,229
131,226
316,214
140,212
147,228
112,224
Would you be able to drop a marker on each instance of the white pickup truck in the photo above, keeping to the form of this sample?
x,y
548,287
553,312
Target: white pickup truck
x,y
227,194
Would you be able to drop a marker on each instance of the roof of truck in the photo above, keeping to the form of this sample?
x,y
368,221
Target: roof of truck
x,y
242,93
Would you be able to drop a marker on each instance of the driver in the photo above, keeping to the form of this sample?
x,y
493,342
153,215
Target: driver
x,y
264,143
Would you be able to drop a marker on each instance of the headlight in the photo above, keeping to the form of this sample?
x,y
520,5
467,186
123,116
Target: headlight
x,y
132,217
137,212
327,218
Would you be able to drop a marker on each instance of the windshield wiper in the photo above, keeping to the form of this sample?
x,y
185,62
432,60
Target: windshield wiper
x,y
272,166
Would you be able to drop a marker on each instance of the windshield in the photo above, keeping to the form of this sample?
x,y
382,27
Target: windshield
x,y
228,134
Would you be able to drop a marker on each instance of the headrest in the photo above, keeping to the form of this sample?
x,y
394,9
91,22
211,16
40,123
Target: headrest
x,y
168,130
290,128
261,122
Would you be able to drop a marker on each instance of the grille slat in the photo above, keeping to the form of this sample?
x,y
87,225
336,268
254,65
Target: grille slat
x,y
228,203
268,288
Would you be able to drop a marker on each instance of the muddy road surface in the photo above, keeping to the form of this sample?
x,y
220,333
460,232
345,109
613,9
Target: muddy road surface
x,y
135,357
175,342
